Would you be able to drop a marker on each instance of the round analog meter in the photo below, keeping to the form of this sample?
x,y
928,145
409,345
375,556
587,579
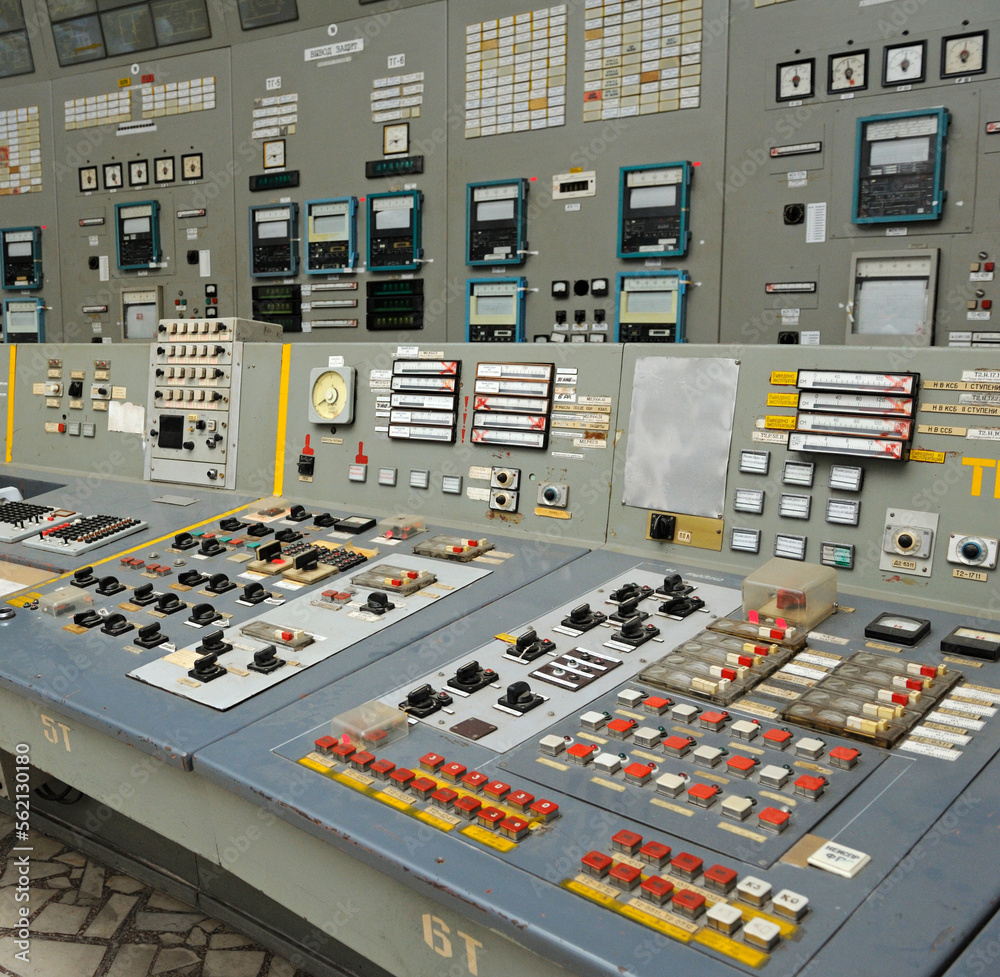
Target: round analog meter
x,y
795,80
331,399
963,55
904,64
848,72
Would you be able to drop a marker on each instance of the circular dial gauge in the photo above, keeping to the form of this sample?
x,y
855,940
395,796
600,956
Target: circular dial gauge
x,y
88,178
138,173
965,55
329,395
904,64
849,72
165,169
112,175
795,80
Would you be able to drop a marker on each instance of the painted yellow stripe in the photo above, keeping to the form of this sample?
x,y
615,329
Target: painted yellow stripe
x,y
10,400
279,447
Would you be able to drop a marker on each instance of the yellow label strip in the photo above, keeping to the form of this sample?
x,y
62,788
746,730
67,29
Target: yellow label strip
x,y
12,369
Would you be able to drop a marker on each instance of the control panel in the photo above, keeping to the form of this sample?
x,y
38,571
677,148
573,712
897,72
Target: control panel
x,y
331,235
495,309
21,257
137,229
274,241
497,223
654,211
394,231
650,306
193,410
24,320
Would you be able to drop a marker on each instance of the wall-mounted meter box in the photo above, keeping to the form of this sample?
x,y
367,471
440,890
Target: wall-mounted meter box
x,y
274,241
650,307
141,311
331,235
21,257
494,310
137,227
893,296
24,320
394,232
653,211
496,223
899,167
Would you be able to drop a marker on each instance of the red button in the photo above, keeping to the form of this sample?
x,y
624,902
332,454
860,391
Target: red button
x,y
741,763
325,743
721,878
431,761
771,815
514,828
497,789
654,852
473,542
685,899
657,886
844,753
545,810
452,771
423,786
626,841
686,864
703,791
363,760
444,797
627,876
412,575
490,817
475,780
597,862
344,750
988,266
468,805
986,304
402,777
520,799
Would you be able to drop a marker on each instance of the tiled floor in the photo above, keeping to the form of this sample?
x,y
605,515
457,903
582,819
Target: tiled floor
x,y
87,921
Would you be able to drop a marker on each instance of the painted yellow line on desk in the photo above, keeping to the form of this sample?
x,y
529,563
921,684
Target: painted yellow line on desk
x,y
10,400
279,446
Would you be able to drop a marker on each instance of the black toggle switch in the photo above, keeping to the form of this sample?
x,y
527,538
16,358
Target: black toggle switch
x,y
116,624
308,560
254,593
681,606
84,577
378,603
109,586
230,525
520,698
287,536
635,632
144,595
213,643
528,647
207,669
583,618
203,614
210,546
76,389
266,660
298,514
628,609
471,677
184,541
269,551
170,604
191,578
324,520
259,530
219,583
150,636
424,700
628,591
87,619
662,526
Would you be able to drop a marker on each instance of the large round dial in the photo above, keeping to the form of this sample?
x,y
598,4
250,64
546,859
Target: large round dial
x,y
795,80
329,395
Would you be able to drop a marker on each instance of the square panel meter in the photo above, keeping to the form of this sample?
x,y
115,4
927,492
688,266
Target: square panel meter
x,y
653,211
394,231
495,310
331,235
894,294
650,307
274,240
24,320
899,167
137,227
141,309
496,223
21,257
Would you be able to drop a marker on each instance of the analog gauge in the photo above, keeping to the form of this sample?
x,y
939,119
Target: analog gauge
x,y
164,169
963,54
88,179
848,72
274,154
904,64
899,628
191,166
795,80
112,176
138,173
331,400
396,138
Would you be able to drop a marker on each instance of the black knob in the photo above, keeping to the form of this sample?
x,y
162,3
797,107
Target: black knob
x,y
252,590
971,551
468,672
904,541
671,582
527,639
378,598
632,628
212,642
183,541
550,494
84,573
420,695
629,608
203,613
206,663
230,525
151,632
200,425
580,614
265,656
190,578
324,520
188,446
519,692
210,546
109,585
159,373
167,602
220,582
144,590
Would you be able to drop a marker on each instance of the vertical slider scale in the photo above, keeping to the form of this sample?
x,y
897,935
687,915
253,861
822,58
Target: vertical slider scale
x,y
512,404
